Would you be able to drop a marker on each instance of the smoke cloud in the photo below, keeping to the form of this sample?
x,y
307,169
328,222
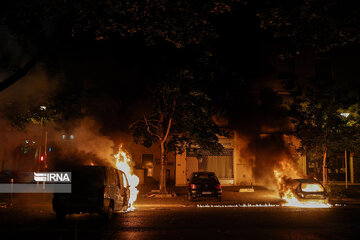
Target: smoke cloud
x,y
84,144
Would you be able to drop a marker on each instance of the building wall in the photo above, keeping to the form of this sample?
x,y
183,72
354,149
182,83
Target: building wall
x,y
242,163
137,151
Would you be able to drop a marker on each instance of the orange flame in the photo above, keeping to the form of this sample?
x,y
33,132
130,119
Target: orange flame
x,y
286,171
122,162
310,187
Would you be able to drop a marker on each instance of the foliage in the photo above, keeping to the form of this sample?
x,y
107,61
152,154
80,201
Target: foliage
x,y
179,22
42,26
62,106
191,115
320,126
319,24
19,118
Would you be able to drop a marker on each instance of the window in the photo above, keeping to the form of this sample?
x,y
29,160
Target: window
x,y
147,164
125,182
115,177
147,160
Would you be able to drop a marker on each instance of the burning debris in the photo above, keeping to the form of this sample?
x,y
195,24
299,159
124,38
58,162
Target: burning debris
x,y
123,163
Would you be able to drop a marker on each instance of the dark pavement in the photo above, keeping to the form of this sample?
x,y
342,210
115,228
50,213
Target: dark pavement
x,y
178,219
188,223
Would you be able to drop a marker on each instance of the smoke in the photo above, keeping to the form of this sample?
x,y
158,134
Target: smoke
x,y
30,92
9,141
272,154
19,102
266,152
261,122
84,144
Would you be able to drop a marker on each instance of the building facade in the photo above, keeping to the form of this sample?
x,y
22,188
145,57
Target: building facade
x,y
229,166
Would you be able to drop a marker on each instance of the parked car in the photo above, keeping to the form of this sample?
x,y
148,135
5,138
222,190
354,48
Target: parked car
x,y
203,184
309,190
95,189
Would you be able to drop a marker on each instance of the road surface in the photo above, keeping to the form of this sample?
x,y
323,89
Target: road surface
x,y
186,222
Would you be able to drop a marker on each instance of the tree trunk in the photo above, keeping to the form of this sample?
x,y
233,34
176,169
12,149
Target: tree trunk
x,y
163,159
163,170
324,168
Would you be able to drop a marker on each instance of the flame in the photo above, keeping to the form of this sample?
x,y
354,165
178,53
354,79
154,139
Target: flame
x,y
122,162
311,187
281,176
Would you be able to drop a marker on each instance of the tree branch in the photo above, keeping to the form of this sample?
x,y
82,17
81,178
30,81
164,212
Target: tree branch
x,y
22,72
148,129
151,124
18,74
167,130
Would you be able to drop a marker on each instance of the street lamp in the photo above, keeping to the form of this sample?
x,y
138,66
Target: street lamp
x,y
41,156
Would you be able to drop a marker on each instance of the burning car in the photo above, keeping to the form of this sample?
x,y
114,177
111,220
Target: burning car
x,y
308,190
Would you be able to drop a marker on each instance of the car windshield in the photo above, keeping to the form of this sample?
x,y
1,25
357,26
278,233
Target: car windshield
x,y
204,177
312,187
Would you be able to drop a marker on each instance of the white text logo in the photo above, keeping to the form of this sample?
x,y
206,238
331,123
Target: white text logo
x,y
53,177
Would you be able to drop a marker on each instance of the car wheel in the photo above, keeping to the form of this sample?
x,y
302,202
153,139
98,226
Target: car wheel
x,y
126,205
191,199
60,216
109,213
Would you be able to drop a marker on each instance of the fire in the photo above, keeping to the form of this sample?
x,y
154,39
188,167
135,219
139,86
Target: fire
x,y
308,187
292,201
281,176
122,162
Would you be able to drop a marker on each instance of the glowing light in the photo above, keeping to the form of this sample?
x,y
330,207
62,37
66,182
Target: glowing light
x,y
122,162
311,187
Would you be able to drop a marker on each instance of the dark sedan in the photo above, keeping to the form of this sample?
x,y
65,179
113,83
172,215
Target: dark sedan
x,y
203,184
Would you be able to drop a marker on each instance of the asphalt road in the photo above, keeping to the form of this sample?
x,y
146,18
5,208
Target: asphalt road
x,y
190,222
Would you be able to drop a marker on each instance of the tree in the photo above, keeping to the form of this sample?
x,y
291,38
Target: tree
x,y
321,25
42,26
180,118
322,127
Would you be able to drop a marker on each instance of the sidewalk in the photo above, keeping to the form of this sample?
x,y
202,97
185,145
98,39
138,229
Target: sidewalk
x,y
231,195
339,193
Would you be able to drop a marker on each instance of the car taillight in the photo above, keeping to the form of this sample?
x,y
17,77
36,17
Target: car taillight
x,y
192,186
105,190
218,186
